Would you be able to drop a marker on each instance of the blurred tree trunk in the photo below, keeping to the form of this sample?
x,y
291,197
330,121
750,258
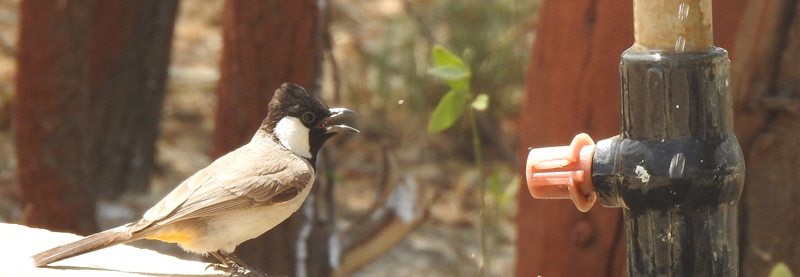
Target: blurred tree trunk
x,y
267,43
88,98
767,105
573,87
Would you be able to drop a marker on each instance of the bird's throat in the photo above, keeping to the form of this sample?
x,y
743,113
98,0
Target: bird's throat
x,y
294,136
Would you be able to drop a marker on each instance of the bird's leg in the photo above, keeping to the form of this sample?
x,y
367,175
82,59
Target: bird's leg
x,y
235,266
222,266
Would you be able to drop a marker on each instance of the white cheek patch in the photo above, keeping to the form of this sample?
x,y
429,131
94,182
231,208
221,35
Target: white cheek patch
x,y
294,136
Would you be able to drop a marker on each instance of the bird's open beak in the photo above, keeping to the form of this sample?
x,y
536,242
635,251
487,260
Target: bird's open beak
x,y
335,113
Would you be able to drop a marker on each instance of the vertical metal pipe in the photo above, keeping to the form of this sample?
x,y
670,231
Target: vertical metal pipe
x,y
672,26
677,169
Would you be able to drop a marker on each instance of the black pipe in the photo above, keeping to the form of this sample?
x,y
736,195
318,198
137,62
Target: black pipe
x,y
676,169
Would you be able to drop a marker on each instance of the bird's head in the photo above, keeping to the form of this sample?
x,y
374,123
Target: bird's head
x,y
301,122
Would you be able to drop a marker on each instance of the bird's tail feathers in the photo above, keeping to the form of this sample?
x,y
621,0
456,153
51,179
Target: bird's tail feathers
x,y
93,242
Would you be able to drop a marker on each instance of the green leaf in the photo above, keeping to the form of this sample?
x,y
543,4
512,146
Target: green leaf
x,y
450,68
449,72
444,57
462,84
448,110
481,102
780,270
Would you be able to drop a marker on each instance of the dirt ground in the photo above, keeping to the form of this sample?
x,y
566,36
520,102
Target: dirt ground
x,y
446,244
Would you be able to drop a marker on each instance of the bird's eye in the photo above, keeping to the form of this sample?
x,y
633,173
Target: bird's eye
x,y
307,117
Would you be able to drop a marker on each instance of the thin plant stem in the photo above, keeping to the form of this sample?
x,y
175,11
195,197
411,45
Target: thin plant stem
x,y
476,146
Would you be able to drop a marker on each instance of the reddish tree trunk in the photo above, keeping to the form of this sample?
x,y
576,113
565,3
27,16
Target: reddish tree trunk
x,y
573,87
765,81
267,43
89,90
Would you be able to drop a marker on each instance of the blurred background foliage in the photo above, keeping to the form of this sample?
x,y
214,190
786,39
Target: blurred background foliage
x,y
382,51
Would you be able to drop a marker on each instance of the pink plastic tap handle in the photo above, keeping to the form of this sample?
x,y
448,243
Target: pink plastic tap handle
x,y
563,172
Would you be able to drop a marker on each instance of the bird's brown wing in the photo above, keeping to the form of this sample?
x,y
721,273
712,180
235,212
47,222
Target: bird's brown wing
x,y
253,175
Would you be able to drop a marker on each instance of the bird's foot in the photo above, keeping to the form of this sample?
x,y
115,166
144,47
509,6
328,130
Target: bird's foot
x,y
235,266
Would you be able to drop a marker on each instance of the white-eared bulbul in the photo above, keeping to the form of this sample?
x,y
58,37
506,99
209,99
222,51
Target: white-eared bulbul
x,y
241,195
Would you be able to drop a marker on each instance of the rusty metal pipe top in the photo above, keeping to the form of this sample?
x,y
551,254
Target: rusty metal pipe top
x,y
672,26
